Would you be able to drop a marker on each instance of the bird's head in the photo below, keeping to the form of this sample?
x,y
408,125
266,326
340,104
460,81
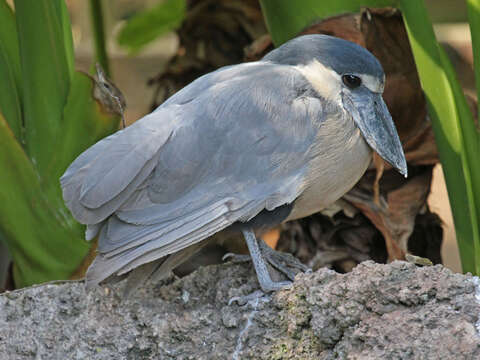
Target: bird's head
x,y
347,74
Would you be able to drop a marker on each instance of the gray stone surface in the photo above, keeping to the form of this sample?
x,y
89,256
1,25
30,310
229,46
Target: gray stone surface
x,y
395,311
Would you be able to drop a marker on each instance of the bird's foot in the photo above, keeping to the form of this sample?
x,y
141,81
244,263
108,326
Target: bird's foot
x,y
261,257
236,258
285,263
267,284
244,299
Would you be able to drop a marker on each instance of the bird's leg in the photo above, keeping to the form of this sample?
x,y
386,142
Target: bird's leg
x,y
283,262
263,276
240,258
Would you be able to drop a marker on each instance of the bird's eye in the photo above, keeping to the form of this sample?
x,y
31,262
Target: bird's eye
x,y
351,81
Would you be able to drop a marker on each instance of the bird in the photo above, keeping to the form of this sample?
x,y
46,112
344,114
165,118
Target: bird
x,y
239,150
107,94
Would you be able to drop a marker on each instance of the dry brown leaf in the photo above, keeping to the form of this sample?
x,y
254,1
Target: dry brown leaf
x,y
379,168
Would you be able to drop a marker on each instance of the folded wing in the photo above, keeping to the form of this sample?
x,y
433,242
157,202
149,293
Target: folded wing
x,y
229,145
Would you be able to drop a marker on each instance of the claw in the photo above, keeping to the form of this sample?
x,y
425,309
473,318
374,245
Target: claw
x,y
236,258
242,300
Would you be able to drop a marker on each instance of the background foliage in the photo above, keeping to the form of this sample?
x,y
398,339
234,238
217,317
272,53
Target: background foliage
x,y
48,116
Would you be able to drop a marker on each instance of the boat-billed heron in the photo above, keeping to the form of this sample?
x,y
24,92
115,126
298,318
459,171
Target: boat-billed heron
x,y
243,148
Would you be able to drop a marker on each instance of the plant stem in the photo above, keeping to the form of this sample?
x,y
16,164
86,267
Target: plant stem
x,y
99,34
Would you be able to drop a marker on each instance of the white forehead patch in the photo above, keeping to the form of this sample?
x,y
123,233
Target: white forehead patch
x,y
323,79
372,83
328,83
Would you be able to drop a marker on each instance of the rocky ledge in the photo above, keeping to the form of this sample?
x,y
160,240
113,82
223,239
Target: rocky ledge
x,y
395,311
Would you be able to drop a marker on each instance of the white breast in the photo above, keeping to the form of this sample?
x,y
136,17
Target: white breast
x,y
339,160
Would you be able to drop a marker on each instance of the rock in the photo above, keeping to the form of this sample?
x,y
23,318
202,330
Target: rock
x,y
395,311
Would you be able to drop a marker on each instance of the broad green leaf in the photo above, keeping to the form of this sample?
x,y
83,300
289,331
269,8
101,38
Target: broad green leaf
x,y
471,166
473,7
45,74
149,24
286,18
62,120
455,133
67,38
44,242
10,77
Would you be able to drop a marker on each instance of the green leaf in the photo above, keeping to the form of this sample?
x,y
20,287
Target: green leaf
x,y
473,7
67,38
286,18
455,132
46,72
10,95
44,241
470,148
62,120
150,24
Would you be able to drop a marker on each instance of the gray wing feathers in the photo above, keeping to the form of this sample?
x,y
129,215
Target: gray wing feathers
x,y
86,158
121,235
208,157
166,244
121,163
87,215
104,177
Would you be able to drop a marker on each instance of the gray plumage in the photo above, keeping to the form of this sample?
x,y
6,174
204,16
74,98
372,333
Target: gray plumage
x,y
238,141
